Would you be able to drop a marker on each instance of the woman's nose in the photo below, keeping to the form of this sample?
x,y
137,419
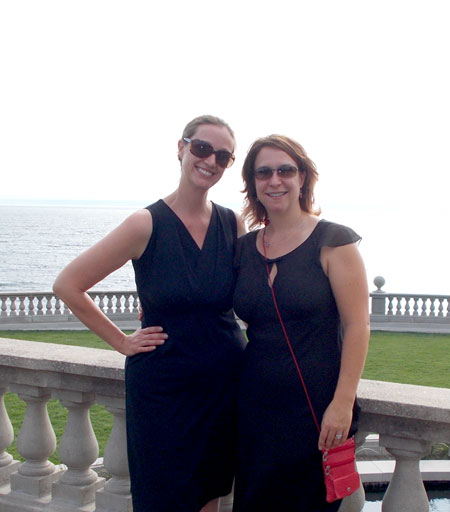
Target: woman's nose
x,y
275,178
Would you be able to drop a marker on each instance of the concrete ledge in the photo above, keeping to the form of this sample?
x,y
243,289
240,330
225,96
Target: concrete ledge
x,y
64,359
406,401
69,325
425,328
380,471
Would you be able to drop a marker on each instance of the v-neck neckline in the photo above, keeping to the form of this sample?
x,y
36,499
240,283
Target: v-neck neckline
x,y
178,219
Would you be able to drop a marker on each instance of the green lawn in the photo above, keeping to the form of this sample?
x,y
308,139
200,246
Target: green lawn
x,y
409,358
421,359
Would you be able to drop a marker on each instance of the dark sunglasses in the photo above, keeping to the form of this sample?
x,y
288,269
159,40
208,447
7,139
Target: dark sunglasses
x,y
202,149
285,171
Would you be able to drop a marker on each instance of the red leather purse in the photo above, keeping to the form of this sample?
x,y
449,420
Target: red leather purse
x,y
339,469
339,464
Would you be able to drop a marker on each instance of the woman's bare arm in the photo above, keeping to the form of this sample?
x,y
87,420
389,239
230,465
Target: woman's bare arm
x,y
127,241
346,272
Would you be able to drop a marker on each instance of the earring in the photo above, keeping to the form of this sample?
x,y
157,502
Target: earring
x,y
301,194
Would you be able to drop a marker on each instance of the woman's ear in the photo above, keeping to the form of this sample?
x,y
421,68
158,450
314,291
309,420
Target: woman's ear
x,y
181,146
302,176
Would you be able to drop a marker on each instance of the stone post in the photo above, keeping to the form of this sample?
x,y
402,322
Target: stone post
x,y
115,497
36,442
406,490
7,464
379,297
355,502
78,451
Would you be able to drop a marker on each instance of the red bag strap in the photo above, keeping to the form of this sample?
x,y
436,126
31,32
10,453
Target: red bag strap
x,y
286,334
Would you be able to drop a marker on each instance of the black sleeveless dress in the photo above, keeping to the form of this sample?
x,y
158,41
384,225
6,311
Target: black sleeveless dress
x,y
279,466
180,398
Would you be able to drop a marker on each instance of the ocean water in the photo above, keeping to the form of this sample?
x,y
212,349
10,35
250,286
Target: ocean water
x,y
38,239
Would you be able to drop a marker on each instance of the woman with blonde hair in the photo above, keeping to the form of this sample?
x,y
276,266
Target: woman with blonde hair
x,y
180,398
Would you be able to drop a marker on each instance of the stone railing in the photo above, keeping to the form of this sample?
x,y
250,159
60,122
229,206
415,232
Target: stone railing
x,y
399,311
32,307
407,418
408,311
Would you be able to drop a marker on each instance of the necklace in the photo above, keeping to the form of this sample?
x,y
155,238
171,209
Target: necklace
x,y
268,243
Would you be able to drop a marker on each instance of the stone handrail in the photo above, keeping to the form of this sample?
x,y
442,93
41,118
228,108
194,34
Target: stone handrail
x,y
407,418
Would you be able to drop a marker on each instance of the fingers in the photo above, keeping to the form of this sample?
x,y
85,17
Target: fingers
x,y
335,426
332,438
154,329
144,340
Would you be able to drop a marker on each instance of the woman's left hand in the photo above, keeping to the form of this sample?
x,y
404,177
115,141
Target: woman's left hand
x,y
336,424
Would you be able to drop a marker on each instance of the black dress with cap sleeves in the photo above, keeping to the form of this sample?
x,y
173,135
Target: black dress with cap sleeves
x,y
180,398
279,464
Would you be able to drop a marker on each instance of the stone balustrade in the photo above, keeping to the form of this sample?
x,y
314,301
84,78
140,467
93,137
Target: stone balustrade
x,y
389,311
45,308
407,418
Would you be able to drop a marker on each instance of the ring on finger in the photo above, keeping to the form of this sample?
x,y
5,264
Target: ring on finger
x,y
338,436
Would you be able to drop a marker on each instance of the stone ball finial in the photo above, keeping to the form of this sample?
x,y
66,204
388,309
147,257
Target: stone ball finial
x,y
379,282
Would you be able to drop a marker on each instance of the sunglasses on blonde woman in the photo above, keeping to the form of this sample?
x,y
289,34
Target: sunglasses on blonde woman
x,y
203,149
284,171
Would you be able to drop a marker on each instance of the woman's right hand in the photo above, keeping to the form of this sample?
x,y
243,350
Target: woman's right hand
x,y
143,340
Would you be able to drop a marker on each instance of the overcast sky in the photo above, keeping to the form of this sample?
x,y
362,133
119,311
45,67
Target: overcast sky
x,y
94,96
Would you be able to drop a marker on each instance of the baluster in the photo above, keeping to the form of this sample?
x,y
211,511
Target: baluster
x,y
432,307
424,307
13,307
115,497
390,306
400,308
406,490
7,464
440,308
135,303
407,307
31,311
40,305
103,302
36,442
22,307
78,450
59,306
416,306
48,305
98,300
4,307
109,300
121,304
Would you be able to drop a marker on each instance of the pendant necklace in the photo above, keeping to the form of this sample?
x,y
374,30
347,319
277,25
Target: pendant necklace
x,y
268,243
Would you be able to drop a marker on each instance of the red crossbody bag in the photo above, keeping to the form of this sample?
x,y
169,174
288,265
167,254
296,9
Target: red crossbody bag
x,y
339,465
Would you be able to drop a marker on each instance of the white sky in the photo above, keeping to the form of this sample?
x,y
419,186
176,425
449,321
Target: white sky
x,y
94,96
